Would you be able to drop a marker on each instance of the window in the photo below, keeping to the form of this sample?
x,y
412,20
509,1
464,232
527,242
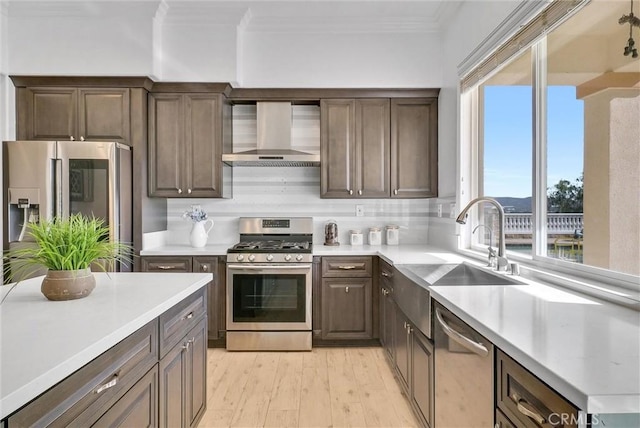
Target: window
x,y
555,138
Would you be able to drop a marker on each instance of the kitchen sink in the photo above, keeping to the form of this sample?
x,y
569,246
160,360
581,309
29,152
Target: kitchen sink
x,y
459,274
464,274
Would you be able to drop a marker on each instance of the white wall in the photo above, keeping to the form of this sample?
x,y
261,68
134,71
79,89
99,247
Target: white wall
x,y
471,24
62,39
341,59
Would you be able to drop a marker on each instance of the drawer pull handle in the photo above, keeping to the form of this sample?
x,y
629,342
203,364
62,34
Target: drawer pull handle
x,y
385,274
166,267
107,385
385,292
475,347
346,289
527,409
346,267
188,316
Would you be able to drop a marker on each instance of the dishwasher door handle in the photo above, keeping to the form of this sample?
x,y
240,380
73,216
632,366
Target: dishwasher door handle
x,y
475,347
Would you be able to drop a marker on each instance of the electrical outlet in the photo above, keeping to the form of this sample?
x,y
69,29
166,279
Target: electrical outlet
x,y
439,210
359,210
452,210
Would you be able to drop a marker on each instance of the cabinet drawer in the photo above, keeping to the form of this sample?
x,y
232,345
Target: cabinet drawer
x,y
502,421
386,274
166,264
177,321
83,396
525,399
346,267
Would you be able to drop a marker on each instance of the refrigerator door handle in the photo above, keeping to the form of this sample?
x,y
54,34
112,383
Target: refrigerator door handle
x,y
59,212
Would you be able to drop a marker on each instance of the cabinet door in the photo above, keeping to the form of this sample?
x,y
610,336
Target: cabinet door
x,y
137,408
401,342
414,148
422,392
47,113
388,318
103,114
210,265
346,308
337,146
172,383
372,148
203,145
166,145
196,374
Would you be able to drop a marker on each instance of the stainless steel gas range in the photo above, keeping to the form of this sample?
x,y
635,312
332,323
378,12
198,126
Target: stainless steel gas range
x,y
269,285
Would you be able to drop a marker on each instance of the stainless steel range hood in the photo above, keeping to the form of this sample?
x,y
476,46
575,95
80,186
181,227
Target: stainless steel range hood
x,y
274,140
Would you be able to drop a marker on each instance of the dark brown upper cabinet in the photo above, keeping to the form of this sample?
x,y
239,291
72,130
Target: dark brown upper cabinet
x,y
414,148
72,113
186,136
379,148
355,148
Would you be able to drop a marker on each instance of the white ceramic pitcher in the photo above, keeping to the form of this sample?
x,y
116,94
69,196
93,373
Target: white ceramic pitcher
x,y
200,233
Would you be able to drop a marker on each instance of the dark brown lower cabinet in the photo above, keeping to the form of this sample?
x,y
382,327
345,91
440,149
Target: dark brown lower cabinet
x,y
138,407
422,376
217,297
346,308
502,421
401,345
183,380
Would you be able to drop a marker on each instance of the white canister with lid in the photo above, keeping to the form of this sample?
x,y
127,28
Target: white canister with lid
x,y
393,234
375,236
356,237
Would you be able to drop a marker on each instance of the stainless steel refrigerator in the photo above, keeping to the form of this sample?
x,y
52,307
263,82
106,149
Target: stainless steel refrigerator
x,y
43,179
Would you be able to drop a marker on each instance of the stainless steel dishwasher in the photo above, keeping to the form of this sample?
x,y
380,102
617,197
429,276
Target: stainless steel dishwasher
x,y
463,373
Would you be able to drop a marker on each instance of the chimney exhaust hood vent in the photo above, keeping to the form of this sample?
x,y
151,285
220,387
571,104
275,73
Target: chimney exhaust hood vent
x,y
274,140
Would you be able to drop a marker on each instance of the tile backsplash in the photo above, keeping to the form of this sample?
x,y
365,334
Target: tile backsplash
x,y
295,192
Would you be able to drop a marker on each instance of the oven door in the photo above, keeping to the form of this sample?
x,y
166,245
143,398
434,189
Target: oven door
x,y
268,297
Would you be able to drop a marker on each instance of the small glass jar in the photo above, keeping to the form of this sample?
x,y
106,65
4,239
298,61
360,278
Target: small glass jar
x,y
375,236
356,237
393,234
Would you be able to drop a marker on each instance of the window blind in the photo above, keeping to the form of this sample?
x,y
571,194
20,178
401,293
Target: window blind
x,y
544,21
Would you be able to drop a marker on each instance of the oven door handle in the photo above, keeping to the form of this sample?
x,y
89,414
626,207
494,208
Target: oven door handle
x,y
269,267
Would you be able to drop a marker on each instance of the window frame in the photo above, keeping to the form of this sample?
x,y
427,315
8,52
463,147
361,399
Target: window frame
x,y
609,284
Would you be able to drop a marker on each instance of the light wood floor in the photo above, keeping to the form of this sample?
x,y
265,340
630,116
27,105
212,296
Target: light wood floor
x,y
338,387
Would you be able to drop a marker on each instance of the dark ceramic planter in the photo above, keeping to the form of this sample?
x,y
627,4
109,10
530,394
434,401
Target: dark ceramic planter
x,y
68,284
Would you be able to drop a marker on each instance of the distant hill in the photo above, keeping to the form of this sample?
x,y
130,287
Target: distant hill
x,y
515,205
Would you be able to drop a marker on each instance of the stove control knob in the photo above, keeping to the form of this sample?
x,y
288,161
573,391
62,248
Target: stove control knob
x,y
251,257
299,257
287,257
239,257
269,257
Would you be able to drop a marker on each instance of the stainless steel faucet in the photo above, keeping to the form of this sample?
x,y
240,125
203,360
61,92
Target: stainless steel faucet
x,y
492,257
503,263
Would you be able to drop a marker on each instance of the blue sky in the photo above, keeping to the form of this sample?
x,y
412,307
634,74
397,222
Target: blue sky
x,y
508,137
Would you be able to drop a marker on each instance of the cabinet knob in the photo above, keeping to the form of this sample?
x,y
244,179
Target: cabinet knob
x,y
179,191
82,138
346,289
360,192
189,191
395,191
71,138
204,267
350,192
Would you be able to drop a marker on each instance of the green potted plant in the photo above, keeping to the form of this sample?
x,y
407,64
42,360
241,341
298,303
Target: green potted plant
x,y
68,248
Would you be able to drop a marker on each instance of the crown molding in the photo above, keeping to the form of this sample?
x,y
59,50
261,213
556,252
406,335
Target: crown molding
x,y
81,9
342,24
202,13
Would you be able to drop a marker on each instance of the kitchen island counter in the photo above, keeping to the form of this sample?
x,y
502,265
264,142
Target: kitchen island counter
x,y
43,342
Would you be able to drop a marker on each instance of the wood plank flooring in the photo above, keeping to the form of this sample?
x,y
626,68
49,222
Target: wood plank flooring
x,y
328,387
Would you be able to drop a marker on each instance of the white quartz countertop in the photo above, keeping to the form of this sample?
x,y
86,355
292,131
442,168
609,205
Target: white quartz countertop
x,y
42,342
187,250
